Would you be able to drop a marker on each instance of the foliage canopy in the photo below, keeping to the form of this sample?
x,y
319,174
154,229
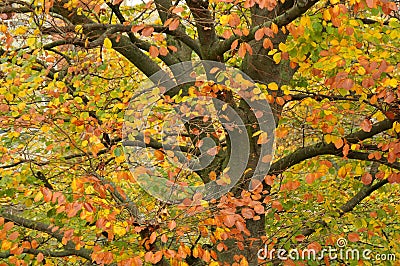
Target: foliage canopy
x,y
70,68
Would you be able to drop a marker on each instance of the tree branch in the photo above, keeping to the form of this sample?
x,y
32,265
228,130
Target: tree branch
x,y
48,229
323,148
293,13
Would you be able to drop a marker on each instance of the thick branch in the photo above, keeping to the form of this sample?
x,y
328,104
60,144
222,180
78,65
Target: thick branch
x,y
323,148
45,252
205,26
48,229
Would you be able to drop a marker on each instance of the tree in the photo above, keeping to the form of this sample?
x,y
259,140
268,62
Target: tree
x,y
70,69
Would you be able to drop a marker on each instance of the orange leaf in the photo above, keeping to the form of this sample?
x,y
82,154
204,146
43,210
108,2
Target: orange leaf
x,y
173,25
159,155
153,237
153,51
315,246
40,257
136,28
7,226
277,205
234,44
146,32
353,237
157,257
47,194
259,34
259,209
300,238
163,51
34,244
212,176
13,235
267,44
229,220
247,213
366,179
171,225
263,138
366,125
234,20
172,48
274,28
338,143
242,50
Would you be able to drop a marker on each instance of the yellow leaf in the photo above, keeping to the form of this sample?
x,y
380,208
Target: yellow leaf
x,y
273,86
277,58
361,70
78,28
119,229
326,15
45,128
120,159
282,47
396,127
224,19
107,43
3,28
6,245
38,197
21,30
31,41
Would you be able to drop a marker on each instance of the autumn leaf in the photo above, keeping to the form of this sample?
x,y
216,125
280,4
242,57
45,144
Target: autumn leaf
x,y
366,125
353,237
